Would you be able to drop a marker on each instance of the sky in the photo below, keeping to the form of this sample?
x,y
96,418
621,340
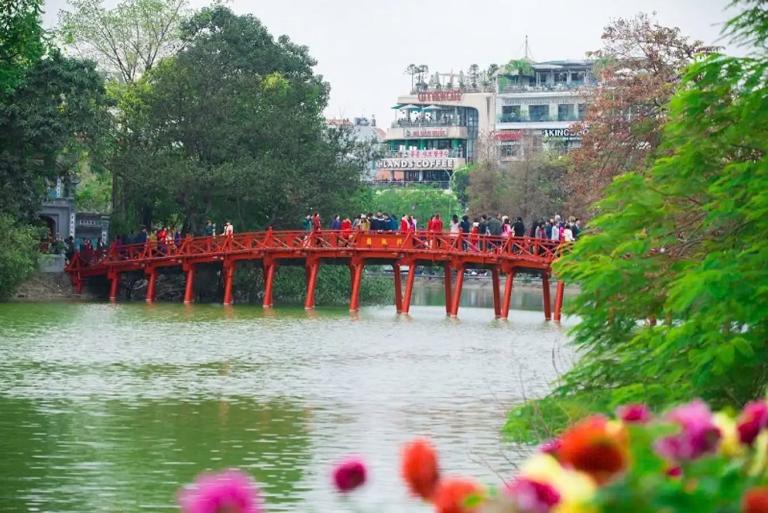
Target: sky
x,y
363,47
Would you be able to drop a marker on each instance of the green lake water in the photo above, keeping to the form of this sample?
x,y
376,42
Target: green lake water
x,y
111,408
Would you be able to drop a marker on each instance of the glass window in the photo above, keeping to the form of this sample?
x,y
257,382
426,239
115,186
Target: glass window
x,y
539,112
577,77
565,112
510,113
582,111
561,77
510,149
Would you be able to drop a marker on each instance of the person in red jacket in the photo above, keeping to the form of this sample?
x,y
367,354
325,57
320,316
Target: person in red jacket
x,y
404,224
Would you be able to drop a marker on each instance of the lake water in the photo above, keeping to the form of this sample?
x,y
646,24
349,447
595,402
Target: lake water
x,y
111,408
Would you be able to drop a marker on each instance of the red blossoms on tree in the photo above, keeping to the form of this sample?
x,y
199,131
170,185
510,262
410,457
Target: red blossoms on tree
x,y
419,468
595,447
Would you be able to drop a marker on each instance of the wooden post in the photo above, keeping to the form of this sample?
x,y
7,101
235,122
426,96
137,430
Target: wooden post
x,y
457,290
448,288
189,286
114,286
507,294
409,287
398,288
151,284
229,272
559,300
545,294
312,267
269,278
357,277
496,292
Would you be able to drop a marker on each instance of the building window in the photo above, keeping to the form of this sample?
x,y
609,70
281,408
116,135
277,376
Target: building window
x,y
539,112
577,77
565,112
542,77
582,111
561,77
510,149
510,113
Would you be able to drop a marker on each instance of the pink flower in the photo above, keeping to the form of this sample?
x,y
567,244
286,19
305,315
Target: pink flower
x,y
698,434
550,447
231,491
349,474
634,413
753,419
531,496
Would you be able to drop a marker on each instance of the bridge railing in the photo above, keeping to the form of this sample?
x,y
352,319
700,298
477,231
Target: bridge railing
x,y
422,242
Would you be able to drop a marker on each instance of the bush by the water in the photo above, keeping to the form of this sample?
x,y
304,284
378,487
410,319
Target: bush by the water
x,y
18,254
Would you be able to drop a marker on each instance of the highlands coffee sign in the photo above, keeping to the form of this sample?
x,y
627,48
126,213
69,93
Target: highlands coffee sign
x,y
424,163
440,96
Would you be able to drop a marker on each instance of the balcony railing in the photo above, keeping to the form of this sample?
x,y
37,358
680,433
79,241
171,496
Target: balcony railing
x,y
522,88
420,154
514,118
412,123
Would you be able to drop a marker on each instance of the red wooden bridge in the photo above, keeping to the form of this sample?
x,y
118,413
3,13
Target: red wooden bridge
x,y
357,249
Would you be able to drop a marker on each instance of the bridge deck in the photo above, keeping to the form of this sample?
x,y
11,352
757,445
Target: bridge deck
x,y
355,249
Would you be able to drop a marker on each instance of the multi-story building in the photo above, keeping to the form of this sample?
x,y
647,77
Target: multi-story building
x,y
537,103
362,130
436,132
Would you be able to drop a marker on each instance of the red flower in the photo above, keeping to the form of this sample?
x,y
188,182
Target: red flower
x,y
638,413
452,495
755,500
349,474
753,419
531,496
419,468
591,446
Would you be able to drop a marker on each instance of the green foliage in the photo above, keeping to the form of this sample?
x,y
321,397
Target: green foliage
x,y
21,43
459,184
420,202
683,245
231,128
18,253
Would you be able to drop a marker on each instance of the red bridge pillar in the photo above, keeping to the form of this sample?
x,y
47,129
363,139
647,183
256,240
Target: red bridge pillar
x,y
496,292
398,288
114,285
356,268
559,299
312,268
457,290
189,286
448,288
545,294
151,274
509,283
409,286
229,272
269,278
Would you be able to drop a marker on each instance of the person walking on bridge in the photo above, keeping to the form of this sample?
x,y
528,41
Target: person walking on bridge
x,y
229,230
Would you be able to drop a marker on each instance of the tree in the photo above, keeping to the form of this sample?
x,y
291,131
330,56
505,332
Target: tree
x,y
21,43
681,245
639,67
460,183
18,253
231,127
127,40
419,202
411,70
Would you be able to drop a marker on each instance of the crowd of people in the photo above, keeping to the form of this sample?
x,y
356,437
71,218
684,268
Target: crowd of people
x,y
555,228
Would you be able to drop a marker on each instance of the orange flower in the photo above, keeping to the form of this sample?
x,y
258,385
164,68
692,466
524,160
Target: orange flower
x,y
452,496
755,500
596,447
419,468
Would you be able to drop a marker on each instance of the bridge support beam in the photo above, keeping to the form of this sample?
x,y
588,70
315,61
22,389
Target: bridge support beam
x,y
189,285
229,273
448,288
269,279
151,275
409,287
312,268
78,284
545,296
398,288
356,269
509,283
559,300
457,290
114,285
496,292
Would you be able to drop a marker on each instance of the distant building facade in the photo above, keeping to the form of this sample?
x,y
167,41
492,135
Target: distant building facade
x,y
60,216
362,130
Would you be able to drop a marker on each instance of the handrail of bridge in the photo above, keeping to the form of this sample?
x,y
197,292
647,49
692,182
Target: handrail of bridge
x,y
423,243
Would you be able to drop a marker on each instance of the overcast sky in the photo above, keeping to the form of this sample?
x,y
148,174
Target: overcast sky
x,y
363,46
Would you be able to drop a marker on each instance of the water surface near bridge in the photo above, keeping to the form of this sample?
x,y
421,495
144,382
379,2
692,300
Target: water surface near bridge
x,y
109,408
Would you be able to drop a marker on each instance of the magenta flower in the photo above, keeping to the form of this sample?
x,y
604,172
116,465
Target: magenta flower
x,y
531,496
349,474
698,433
634,413
753,419
550,446
231,491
